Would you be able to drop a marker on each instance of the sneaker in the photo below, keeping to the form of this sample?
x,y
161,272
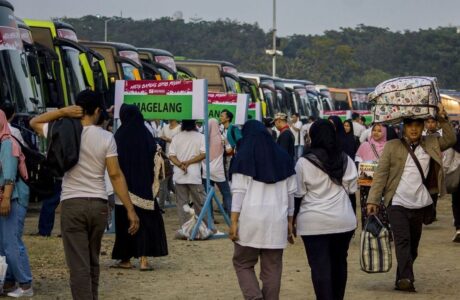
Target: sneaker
x,y
19,292
456,238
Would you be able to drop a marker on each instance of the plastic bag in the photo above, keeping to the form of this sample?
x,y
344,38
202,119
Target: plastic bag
x,y
185,232
3,268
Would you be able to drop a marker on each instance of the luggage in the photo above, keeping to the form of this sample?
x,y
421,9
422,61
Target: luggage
x,y
405,97
375,247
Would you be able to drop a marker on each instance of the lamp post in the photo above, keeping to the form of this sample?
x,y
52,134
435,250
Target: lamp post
x,y
273,52
105,26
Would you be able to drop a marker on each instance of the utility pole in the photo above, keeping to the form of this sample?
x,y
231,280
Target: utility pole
x,y
273,52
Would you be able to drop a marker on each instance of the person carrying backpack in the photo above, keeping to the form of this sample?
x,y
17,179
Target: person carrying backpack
x,y
14,200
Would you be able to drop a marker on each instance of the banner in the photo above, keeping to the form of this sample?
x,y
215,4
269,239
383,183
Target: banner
x,y
237,104
163,100
255,111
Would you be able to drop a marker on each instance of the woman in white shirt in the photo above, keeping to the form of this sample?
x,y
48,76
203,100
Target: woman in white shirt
x,y
263,186
326,221
216,164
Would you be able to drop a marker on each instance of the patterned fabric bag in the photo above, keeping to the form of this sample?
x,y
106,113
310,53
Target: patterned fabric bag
x,y
375,249
405,97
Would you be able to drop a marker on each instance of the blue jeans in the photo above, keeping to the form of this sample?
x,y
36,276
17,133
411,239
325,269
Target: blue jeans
x,y
12,247
224,189
298,152
49,204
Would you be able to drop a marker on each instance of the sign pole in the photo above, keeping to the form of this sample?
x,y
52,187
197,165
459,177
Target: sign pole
x,y
210,192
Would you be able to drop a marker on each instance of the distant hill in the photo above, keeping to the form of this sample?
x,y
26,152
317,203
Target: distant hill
x,y
352,57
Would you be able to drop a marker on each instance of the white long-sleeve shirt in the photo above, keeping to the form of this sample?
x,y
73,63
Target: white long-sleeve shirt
x,y
264,210
325,206
411,192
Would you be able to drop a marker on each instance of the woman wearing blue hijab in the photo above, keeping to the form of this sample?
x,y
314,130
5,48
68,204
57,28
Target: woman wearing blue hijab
x,y
263,186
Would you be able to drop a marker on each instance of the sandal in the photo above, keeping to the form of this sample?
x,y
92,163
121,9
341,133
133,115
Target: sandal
x,y
146,269
119,265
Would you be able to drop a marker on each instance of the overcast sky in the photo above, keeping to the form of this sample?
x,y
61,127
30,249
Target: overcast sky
x,y
293,16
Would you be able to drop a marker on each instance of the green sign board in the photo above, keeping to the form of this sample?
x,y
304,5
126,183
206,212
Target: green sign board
x,y
164,107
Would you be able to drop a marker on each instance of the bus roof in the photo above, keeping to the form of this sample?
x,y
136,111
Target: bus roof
x,y
205,61
156,52
6,4
117,46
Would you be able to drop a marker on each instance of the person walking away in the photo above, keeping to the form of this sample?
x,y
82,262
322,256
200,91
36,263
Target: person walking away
x,y
137,165
186,153
13,208
325,219
296,127
285,139
263,186
167,132
358,128
84,205
231,136
431,128
399,179
371,151
216,164
349,144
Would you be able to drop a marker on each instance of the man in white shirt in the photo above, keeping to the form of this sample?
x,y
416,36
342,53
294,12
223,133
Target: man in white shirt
x,y
358,127
167,133
84,207
407,192
186,153
296,127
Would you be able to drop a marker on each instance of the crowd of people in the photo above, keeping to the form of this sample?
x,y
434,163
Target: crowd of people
x,y
280,178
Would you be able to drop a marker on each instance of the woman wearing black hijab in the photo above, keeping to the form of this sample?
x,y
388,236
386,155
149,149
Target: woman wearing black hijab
x,y
263,186
326,222
349,143
347,140
136,149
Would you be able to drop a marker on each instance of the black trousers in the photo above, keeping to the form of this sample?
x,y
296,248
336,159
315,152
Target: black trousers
x,y
406,225
456,208
327,257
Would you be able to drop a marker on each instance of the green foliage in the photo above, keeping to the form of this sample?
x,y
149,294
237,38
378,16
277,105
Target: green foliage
x,y
351,57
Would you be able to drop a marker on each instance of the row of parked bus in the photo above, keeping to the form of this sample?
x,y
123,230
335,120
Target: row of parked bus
x,y
44,65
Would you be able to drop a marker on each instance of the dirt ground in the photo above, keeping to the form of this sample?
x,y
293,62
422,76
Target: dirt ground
x,y
203,269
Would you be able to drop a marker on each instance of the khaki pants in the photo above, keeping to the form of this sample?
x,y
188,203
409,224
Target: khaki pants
x,y
186,193
83,221
271,268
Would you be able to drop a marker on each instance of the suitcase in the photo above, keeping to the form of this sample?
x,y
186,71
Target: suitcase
x,y
405,97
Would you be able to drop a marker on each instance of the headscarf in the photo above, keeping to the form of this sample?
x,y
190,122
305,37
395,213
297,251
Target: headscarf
x,y
365,151
216,149
327,149
347,141
136,149
260,157
5,134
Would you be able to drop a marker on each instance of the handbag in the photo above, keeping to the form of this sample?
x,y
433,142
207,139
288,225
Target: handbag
x,y
375,247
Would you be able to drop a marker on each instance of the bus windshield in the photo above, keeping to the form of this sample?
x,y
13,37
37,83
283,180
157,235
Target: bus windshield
x,y
15,83
340,100
233,86
74,72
